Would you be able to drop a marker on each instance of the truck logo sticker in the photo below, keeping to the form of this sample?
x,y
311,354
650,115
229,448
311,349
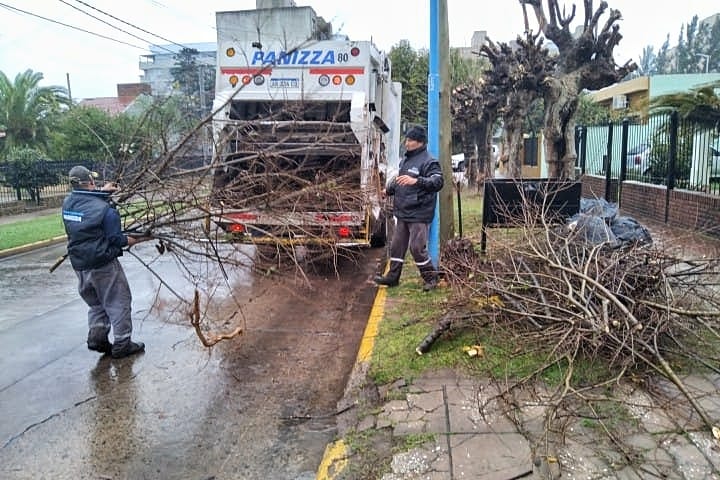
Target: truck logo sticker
x,y
297,57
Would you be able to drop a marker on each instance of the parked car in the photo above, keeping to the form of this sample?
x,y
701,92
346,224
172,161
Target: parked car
x,y
458,168
458,162
638,158
714,162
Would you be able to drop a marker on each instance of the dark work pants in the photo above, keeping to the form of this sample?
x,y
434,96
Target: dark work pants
x,y
415,236
107,293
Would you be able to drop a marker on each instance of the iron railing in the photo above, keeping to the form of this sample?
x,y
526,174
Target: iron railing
x,y
40,180
663,150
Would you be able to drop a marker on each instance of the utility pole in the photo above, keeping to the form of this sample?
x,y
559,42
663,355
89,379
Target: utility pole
x,y
441,228
67,77
447,223
706,58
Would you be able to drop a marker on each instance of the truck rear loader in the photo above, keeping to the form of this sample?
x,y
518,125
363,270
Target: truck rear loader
x,y
306,131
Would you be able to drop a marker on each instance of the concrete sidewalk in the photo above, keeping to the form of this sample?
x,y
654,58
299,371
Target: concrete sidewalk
x,y
475,429
471,438
476,434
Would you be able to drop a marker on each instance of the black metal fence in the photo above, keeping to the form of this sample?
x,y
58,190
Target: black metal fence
x,y
663,150
37,181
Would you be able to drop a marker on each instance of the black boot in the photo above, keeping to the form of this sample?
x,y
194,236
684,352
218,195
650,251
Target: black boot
x,y
429,276
98,340
127,348
392,277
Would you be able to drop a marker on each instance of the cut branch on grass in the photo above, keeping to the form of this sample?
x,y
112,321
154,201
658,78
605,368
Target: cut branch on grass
x,y
632,307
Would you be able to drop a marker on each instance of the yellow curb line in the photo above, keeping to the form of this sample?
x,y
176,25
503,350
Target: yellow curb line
x,y
371,329
31,246
335,455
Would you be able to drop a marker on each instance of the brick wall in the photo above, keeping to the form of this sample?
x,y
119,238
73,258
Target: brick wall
x,y
686,209
593,186
643,200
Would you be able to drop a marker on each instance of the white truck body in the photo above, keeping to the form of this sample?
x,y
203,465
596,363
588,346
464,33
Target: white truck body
x,y
305,131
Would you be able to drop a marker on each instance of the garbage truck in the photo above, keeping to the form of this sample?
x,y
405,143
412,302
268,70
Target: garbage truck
x,y
306,128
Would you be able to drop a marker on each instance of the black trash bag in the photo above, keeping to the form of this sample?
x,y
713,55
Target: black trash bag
x,y
599,207
629,231
592,229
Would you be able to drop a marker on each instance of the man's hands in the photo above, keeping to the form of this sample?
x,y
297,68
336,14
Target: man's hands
x,y
406,180
110,187
132,240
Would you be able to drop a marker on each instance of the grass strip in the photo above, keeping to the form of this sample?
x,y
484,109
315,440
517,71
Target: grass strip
x,y
24,232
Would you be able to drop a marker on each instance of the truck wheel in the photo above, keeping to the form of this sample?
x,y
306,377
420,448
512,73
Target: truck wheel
x,y
378,237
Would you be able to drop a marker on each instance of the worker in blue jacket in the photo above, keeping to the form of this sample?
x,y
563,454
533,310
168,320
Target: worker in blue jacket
x,y
414,192
95,241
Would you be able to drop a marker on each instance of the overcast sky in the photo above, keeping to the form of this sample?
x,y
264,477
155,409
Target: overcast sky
x,y
95,65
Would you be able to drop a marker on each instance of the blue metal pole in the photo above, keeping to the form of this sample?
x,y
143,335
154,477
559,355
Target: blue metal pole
x,y
434,122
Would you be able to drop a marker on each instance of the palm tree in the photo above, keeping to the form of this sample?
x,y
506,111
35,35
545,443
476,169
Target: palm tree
x,y
27,108
700,105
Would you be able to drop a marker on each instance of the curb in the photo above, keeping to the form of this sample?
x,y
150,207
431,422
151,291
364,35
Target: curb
x,y
334,459
31,246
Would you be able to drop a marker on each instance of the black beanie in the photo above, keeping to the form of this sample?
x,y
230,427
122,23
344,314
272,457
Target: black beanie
x,y
417,133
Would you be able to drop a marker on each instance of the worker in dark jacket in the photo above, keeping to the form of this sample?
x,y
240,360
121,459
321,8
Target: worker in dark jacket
x,y
95,241
415,195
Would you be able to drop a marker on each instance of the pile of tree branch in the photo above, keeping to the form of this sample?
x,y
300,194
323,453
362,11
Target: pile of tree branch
x,y
633,307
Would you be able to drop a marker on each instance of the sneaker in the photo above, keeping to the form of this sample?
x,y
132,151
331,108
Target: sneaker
x,y
127,349
430,285
387,281
101,346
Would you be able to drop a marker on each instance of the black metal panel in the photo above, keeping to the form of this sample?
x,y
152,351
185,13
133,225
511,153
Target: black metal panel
x,y
509,202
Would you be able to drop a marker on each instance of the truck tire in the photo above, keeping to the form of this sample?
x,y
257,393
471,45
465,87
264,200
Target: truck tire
x,y
379,235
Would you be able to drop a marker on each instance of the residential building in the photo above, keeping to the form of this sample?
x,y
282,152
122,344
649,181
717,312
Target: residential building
x,y
636,94
478,39
127,93
158,64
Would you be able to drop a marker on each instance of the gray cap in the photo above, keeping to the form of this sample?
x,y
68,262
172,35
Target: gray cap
x,y
79,174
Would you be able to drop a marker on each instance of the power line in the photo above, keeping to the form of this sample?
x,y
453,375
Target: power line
x,y
9,7
129,24
111,25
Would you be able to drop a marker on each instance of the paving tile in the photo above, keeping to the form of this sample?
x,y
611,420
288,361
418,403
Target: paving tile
x,y
416,463
426,401
579,460
415,427
490,457
690,462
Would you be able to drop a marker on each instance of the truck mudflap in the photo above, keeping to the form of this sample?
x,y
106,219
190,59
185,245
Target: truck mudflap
x,y
341,229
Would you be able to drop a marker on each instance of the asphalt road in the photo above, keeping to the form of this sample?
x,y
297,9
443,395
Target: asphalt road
x,y
259,406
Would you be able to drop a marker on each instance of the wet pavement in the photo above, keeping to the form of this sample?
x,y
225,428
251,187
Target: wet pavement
x,y
474,429
245,409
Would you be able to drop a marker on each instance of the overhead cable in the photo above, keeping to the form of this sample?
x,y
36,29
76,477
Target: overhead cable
x,y
10,7
131,25
113,26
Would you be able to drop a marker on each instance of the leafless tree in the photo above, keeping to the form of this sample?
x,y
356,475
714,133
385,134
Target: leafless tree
x,y
585,61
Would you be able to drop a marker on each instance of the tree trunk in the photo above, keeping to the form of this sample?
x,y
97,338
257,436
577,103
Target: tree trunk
x,y
561,101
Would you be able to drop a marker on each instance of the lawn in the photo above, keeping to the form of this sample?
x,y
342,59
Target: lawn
x,y
23,232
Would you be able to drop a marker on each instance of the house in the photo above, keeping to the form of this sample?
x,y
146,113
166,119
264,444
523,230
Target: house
x,y
127,94
636,94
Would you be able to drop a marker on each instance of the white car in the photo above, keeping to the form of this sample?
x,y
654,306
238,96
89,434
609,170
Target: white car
x,y
714,162
638,158
458,168
458,162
